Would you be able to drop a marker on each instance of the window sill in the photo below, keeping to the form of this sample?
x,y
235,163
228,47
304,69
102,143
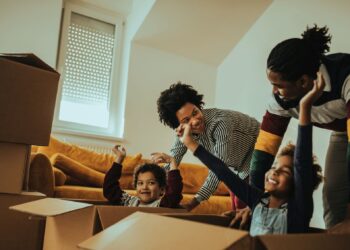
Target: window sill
x,y
87,135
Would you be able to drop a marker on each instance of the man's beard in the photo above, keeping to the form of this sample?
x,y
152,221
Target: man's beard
x,y
287,104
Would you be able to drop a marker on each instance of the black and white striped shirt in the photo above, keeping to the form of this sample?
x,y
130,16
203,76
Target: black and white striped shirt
x,y
229,135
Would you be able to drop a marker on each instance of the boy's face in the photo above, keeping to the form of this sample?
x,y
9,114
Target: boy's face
x,y
191,114
279,179
147,188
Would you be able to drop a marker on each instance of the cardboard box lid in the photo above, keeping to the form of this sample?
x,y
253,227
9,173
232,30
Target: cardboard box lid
x,y
28,89
27,58
49,207
151,231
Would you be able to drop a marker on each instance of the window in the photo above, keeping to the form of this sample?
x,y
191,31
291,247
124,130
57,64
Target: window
x,y
88,61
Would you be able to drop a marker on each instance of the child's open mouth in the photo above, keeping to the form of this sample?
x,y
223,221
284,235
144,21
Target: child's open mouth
x,y
272,181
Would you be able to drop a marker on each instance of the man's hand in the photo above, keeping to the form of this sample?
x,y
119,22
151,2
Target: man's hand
x,y
240,219
120,154
191,205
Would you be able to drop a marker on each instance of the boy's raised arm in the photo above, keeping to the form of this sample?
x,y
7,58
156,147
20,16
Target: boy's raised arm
x,y
111,187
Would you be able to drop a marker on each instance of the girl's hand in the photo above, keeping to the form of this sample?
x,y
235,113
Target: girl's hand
x,y
315,92
120,154
184,132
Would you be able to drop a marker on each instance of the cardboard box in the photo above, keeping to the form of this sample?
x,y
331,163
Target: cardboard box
x,y
16,230
68,223
151,231
319,241
28,89
14,163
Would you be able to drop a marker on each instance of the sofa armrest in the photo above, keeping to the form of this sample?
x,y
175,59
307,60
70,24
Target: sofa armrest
x,y
41,176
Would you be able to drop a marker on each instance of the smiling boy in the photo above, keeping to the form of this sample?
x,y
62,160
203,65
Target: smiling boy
x,y
153,189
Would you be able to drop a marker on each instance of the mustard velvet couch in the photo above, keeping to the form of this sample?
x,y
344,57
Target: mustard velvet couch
x,y
64,170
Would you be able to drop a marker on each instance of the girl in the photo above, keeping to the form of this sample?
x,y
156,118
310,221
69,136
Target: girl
x,y
286,206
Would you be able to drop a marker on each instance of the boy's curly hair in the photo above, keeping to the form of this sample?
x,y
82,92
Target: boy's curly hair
x,y
173,98
158,172
317,177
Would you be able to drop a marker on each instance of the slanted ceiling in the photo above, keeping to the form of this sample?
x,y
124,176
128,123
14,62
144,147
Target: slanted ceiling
x,y
201,30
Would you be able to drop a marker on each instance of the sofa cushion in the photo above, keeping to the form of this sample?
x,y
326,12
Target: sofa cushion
x,y
41,177
97,161
60,177
194,176
77,170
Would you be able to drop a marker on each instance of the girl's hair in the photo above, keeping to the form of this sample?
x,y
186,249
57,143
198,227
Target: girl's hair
x,y
295,57
172,99
317,177
158,172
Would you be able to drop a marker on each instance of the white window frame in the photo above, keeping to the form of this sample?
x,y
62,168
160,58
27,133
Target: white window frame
x,y
115,128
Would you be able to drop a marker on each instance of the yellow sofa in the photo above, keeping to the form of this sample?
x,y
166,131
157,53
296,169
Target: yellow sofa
x,y
65,170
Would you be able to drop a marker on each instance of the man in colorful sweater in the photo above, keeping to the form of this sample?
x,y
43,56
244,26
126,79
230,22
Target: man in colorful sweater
x,y
291,68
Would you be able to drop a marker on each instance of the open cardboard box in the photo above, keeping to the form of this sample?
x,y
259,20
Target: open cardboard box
x,y
20,231
151,231
69,223
28,89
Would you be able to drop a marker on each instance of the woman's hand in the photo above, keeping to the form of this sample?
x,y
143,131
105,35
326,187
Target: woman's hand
x,y
159,158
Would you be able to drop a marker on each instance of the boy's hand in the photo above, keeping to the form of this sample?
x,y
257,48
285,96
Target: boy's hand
x,y
120,154
184,132
315,92
158,158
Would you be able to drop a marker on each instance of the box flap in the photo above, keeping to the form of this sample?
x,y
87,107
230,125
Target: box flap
x,y
49,207
138,231
28,59
110,215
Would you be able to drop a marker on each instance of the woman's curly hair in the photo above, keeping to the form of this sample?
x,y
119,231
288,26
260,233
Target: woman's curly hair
x,y
173,98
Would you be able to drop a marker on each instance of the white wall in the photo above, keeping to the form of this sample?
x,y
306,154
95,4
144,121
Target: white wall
x,y
31,26
150,72
242,84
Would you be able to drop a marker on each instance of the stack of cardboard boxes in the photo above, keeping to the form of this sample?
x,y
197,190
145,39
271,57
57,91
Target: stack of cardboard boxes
x,y
28,89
